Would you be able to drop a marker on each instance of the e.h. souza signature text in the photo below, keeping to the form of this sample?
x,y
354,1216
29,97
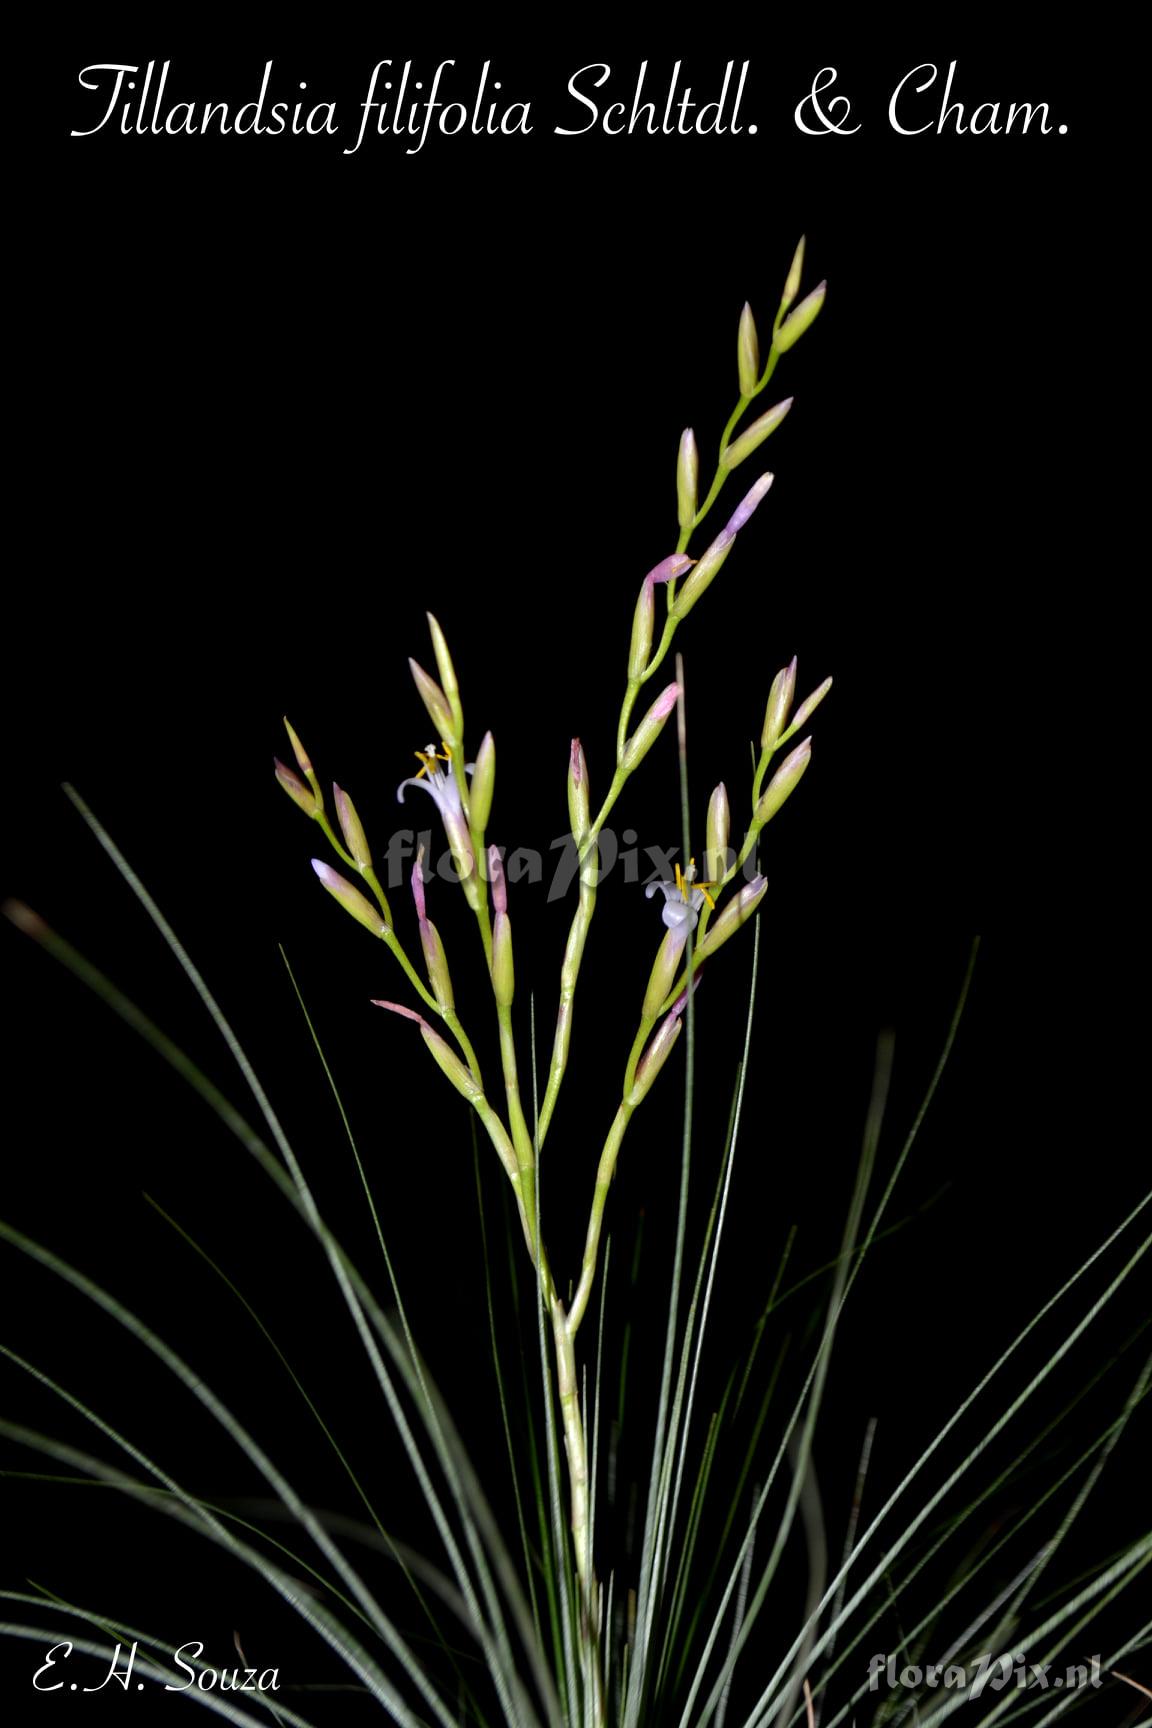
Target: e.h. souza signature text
x,y
412,103
50,1676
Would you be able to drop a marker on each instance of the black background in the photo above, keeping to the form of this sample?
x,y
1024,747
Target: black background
x,y
286,401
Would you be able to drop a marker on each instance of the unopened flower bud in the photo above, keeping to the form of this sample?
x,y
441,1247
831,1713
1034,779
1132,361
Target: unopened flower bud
x,y
444,1056
736,912
436,965
748,352
783,783
664,969
418,886
503,976
350,898
753,436
798,321
687,478
483,784
657,1053
579,815
303,761
352,829
643,620
443,661
650,727
792,285
716,853
704,573
450,1064
780,699
296,788
435,961
748,504
434,699
709,566
809,706
497,879
669,568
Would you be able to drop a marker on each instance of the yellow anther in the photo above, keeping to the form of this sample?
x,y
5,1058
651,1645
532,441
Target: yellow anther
x,y
429,758
686,879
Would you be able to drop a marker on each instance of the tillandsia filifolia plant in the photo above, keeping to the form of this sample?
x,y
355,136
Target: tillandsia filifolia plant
x,y
935,1604
700,912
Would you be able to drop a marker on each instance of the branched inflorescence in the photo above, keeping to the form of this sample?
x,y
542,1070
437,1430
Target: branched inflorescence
x,y
700,913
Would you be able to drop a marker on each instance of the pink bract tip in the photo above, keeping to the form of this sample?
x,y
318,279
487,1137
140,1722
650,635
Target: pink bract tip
x,y
398,1008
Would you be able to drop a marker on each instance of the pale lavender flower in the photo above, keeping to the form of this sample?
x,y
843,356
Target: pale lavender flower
x,y
440,783
683,899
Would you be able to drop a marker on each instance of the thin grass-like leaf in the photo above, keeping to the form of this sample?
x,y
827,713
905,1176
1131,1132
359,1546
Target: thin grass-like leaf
x,y
764,1711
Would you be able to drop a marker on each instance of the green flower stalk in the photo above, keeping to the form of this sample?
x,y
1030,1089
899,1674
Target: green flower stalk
x,y
688,904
